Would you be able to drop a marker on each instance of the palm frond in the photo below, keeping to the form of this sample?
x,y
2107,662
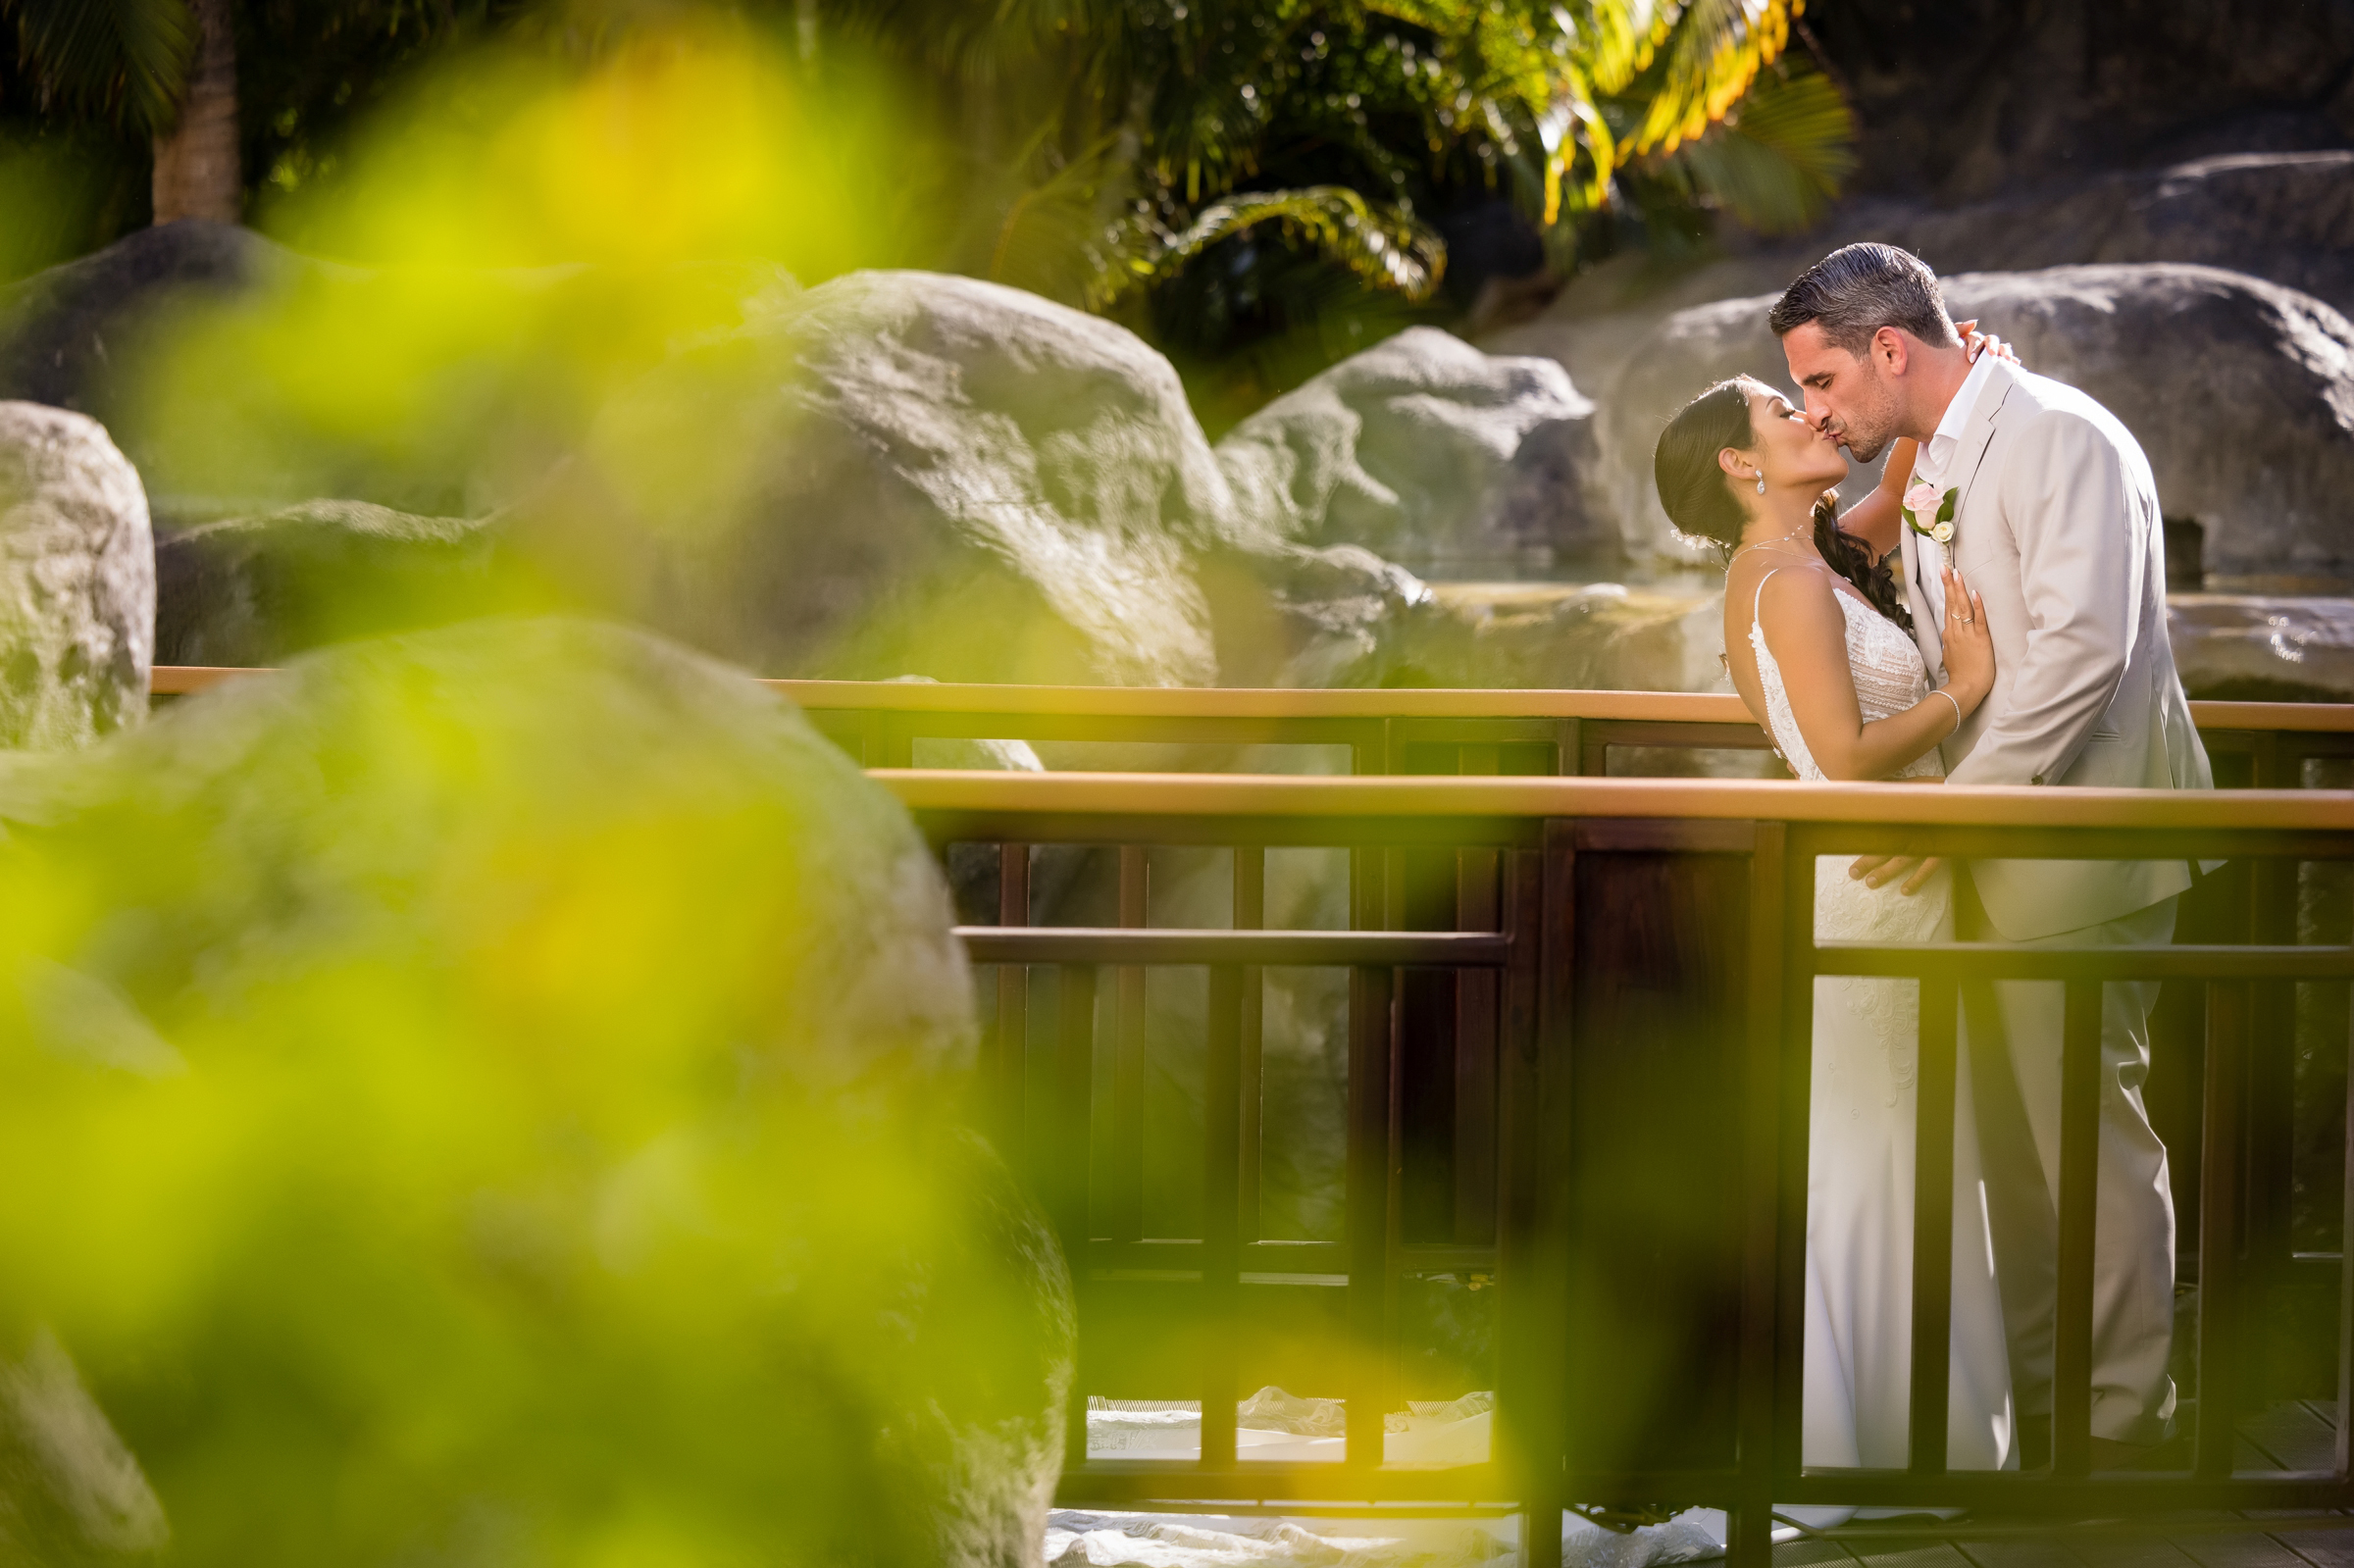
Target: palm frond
x,y
1775,162
1710,55
1056,237
978,40
1380,245
107,57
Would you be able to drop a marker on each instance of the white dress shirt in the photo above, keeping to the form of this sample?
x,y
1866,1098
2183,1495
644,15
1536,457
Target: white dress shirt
x,y
1934,462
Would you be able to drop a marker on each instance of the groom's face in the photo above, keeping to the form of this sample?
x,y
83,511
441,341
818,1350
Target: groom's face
x,y
1853,400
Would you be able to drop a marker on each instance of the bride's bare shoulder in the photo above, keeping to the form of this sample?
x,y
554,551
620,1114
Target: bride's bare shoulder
x,y
1781,589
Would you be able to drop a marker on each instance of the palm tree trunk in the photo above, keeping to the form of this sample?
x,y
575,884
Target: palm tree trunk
x,y
196,174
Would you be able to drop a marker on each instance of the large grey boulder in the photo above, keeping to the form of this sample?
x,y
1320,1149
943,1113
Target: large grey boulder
x,y
908,472
1427,451
2240,391
72,336
506,1080
76,582
259,589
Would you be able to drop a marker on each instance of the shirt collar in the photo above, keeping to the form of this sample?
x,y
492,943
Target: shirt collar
x,y
1936,457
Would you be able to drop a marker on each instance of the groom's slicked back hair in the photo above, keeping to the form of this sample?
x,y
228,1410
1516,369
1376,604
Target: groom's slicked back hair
x,y
1857,289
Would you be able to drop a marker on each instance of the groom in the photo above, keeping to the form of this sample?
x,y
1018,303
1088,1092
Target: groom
x,y
2054,520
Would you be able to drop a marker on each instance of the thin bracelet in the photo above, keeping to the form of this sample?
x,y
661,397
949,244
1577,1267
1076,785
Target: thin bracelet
x,y
1940,691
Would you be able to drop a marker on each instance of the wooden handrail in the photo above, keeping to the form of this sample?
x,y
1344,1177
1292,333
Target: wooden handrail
x,y
1248,702
1711,799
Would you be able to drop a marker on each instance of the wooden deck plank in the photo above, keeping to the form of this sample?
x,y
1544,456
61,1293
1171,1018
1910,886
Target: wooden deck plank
x,y
2323,1549
1908,1554
2238,1551
2291,1436
2017,1553
2128,1552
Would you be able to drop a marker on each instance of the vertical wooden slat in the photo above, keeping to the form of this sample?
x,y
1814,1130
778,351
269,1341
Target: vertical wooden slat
x,y
2268,1241
2343,1462
1750,1541
1932,1225
2079,1178
1008,1074
1221,1241
1476,995
1790,1189
1366,1179
1125,1216
1534,1243
1063,1145
1251,914
1371,990
1473,1135
2219,1228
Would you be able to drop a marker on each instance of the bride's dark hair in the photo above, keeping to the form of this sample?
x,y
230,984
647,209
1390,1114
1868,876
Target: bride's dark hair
x,y
1698,494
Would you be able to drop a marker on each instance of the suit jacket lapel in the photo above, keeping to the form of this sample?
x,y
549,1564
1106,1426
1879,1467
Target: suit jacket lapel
x,y
1969,451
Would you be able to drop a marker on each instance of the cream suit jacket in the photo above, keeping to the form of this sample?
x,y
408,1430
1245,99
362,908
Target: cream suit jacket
x,y
2057,527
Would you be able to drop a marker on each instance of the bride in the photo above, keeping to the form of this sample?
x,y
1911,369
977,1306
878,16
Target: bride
x,y
1819,645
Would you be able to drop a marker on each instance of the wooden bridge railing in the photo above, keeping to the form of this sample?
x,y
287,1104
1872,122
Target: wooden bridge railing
x,y
1653,950
1394,732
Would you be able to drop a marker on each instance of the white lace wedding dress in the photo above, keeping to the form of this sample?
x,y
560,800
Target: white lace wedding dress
x,y
1859,1147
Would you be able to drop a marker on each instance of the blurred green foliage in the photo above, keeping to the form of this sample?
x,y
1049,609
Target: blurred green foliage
x,y
494,1098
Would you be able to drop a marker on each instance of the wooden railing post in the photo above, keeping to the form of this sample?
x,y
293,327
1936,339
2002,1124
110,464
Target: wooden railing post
x,y
2219,1229
1371,993
1222,1215
2081,1089
1542,1286
1064,1161
1750,1540
1933,1225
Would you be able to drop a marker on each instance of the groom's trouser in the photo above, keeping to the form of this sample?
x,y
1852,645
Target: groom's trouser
x,y
2014,1029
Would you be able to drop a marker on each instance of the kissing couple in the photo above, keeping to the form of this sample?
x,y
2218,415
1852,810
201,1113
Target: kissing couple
x,y
1993,613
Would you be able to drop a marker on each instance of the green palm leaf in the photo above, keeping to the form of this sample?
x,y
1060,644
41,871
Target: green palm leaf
x,y
1777,158
107,55
1706,56
1382,246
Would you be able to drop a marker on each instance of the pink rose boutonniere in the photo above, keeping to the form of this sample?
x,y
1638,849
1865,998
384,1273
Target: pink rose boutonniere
x,y
1929,512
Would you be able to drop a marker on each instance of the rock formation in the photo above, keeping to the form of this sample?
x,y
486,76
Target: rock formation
x,y
909,473
555,1017
257,590
1965,98
76,582
897,472
1427,451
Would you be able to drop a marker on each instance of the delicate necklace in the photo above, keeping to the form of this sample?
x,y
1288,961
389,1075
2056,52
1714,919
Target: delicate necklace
x,y
1780,539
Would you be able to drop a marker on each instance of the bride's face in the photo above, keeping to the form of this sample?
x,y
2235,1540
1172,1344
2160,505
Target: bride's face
x,y
1789,449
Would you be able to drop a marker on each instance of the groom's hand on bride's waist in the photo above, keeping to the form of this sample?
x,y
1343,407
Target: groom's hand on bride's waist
x,y
1878,870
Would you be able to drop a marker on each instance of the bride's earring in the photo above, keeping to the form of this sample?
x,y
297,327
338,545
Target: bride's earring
x,y
1761,484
